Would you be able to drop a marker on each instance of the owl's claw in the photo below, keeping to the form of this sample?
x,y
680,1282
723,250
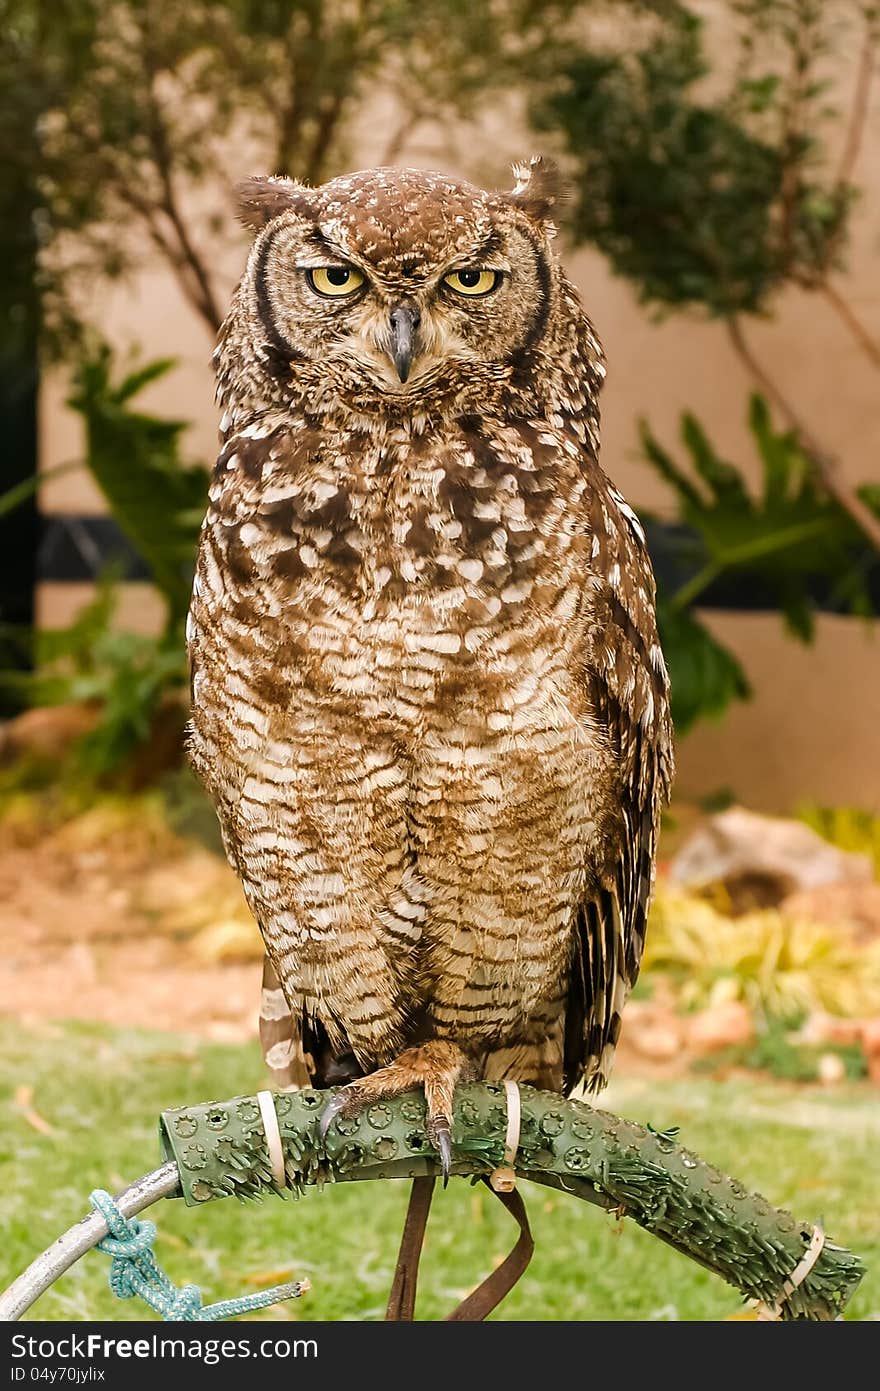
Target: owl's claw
x,y
331,1111
440,1134
436,1066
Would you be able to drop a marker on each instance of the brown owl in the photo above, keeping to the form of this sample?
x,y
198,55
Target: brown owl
x,y
428,697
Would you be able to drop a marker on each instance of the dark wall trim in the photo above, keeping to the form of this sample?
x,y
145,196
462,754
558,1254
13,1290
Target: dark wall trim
x,y
670,542
82,548
19,528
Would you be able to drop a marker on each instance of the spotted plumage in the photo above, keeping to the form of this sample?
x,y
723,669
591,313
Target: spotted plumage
x,y
428,697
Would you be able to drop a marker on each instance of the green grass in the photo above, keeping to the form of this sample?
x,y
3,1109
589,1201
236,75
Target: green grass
x,y
101,1090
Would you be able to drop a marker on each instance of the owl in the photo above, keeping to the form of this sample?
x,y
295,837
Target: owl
x,y
428,699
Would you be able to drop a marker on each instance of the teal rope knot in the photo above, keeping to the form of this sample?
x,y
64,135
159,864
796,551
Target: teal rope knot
x,y
134,1270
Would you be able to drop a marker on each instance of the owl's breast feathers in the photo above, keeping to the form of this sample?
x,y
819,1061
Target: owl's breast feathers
x,y
484,577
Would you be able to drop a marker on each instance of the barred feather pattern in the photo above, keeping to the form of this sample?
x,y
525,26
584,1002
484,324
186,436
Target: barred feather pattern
x,y
428,698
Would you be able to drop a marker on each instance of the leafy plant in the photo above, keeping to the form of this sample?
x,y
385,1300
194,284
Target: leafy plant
x,y
777,1051
705,676
116,109
125,676
849,828
781,965
710,200
712,183
789,539
713,162
156,498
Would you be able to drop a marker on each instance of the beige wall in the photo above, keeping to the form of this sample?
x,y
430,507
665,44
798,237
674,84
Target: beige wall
x,y
813,728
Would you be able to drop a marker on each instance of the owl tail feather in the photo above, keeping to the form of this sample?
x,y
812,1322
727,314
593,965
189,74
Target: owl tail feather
x,y
280,1036
296,1049
290,1068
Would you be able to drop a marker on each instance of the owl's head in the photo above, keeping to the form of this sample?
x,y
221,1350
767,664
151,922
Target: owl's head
x,y
386,287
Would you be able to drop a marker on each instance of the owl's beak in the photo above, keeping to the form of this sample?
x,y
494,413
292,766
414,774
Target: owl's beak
x,y
405,319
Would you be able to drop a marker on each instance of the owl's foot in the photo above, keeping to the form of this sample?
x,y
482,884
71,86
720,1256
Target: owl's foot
x,y
437,1066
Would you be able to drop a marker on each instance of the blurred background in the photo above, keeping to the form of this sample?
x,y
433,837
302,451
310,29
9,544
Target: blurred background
x,y
722,224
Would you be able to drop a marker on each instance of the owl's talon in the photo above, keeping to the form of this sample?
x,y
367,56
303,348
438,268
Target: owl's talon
x,y
331,1111
440,1135
436,1066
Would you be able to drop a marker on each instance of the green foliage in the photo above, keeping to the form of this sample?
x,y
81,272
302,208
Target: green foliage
x,y
124,675
113,109
157,500
711,158
779,964
789,538
23,491
127,675
705,677
709,193
849,828
777,1051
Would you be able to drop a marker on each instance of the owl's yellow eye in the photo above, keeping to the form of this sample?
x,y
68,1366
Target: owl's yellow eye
x,y
472,282
335,280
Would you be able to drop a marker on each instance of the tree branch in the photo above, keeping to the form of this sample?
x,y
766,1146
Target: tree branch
x,y
145,210
204,300
826,466
327,123
191,270
859,112
854,134
292,113
399,137
791,135
169,251
843,308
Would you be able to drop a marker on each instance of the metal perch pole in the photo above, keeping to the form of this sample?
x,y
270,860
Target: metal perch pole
x,y
233,1148
67,1250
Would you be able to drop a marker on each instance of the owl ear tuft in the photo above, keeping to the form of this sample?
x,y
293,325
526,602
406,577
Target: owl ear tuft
x,y
260,199
538,187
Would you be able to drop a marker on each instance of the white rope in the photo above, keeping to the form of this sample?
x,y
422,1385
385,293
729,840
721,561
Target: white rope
x,y
273,1137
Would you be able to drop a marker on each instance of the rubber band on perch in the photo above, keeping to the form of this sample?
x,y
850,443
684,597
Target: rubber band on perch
x,y
272,1131
503,1179
771,1313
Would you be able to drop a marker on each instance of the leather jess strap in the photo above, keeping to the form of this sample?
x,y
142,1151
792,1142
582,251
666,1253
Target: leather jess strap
x,y
402,1300
488,1295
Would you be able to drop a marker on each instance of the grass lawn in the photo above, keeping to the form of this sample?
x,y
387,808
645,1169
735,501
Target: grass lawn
x,y
99,1092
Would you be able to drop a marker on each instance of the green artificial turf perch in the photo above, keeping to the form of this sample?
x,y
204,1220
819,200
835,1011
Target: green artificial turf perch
x,y
221,1150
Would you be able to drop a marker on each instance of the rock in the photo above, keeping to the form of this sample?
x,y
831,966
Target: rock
x,y
819,1028
856,906
653,1031
661,1044
761,860
830,1069
45,733
724,1026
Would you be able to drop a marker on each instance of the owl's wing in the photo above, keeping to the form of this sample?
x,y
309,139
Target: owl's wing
x,y
629,691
